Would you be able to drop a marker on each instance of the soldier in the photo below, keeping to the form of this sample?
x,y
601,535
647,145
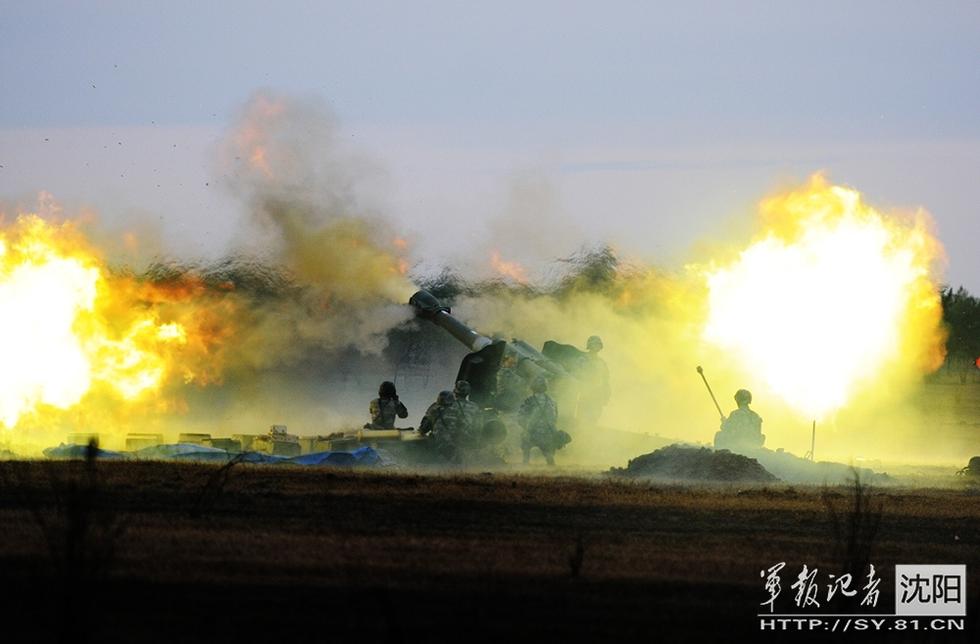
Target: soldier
x,y
445,423
386,407
538,416
743,427
511,388
471,413
595,387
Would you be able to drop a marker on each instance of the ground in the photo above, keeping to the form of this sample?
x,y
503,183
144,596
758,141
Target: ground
x,y
182,552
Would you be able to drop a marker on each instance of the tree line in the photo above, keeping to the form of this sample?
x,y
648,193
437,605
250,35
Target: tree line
x,y
961,315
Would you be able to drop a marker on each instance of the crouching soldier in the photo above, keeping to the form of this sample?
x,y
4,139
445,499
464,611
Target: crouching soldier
x,y
445,424
538,417
386,407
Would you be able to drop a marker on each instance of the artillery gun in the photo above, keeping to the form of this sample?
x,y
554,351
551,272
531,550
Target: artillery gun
x,y
499,371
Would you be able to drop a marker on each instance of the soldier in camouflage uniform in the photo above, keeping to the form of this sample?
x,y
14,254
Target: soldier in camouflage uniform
x,y
511,387
471,412
538,416
445,423
386,407
595,384
742,429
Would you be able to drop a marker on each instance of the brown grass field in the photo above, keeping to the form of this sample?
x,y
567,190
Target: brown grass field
x,y
148,552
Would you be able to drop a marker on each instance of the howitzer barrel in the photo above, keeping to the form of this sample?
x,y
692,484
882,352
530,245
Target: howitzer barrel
x,y
427,306
482,368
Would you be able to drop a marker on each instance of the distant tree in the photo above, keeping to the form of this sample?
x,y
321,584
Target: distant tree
x,y
446,286
590,269
961,314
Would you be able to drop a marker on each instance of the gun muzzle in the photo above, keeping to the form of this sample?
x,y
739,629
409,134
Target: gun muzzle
x,y
428,307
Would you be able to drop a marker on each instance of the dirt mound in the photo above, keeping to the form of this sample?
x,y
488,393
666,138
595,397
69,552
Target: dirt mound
x,y
972,468
695,464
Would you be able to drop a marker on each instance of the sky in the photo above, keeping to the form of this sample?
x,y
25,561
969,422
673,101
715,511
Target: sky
x,y
649,125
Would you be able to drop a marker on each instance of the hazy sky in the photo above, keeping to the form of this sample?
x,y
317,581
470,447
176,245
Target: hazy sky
x,y
652,125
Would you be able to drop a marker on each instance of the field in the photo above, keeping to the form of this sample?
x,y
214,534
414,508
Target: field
x,y
178,552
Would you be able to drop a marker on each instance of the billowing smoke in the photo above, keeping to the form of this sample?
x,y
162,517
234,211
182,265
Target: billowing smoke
x,y
299,325
259,337
525,235
647,320
831,313
313,219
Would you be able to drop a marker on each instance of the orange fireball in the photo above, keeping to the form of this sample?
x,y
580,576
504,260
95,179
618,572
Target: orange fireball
x,y
70,328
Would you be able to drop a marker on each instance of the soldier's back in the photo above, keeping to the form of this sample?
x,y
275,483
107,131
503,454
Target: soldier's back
x,y
383,413
743,427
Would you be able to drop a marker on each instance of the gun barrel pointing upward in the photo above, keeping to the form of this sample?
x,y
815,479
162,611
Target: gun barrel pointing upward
x,y
713,399
482,366
427,306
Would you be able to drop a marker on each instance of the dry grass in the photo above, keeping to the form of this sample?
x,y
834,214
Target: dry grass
x,y
79,527
314,538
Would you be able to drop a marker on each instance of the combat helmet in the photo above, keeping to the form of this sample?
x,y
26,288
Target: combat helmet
x,y
462,388
594,343
743,396
446,397
387,389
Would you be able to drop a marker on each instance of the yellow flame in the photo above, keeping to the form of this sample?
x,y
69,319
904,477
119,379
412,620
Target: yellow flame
x,y
41,294
829,297
67,328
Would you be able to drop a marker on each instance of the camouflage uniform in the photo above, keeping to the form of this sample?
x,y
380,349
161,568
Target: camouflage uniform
x,y
744,423
511,389
472,435
446,423
472,416
386,407
594,375
595,389
538,416
383,412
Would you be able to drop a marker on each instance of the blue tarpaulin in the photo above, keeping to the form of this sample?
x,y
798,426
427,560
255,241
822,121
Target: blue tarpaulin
x,y
262,457
361,457
176,450
194,452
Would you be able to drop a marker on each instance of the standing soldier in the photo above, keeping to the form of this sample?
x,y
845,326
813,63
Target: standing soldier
x,y
471,413
445,423
538,416
511,387
595,384
386,407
